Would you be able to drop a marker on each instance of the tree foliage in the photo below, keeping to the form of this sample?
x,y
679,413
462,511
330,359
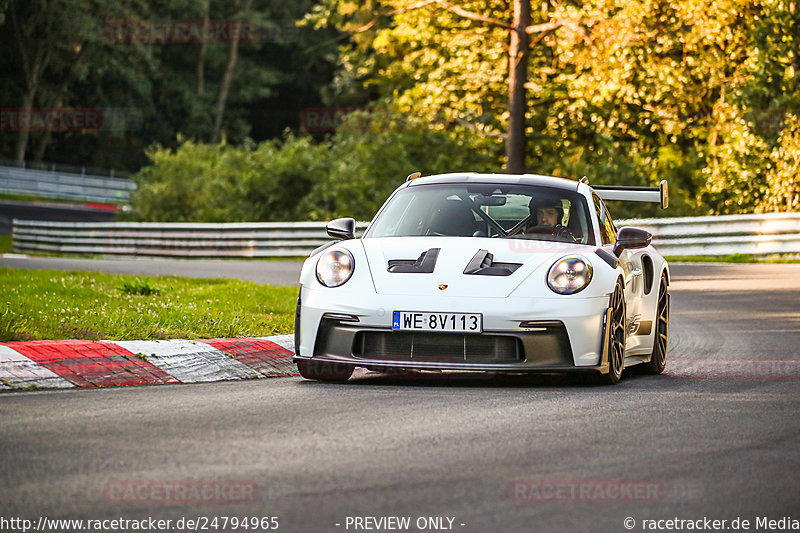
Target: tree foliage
x,y
622,91
228,183
372,154
298,179
62,54
703,93
783,177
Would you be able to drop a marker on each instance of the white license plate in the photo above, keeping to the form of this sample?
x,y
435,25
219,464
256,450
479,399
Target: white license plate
x,y
420,321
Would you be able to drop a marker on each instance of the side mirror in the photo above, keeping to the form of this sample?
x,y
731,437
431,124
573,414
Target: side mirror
x,y
631,238
342,228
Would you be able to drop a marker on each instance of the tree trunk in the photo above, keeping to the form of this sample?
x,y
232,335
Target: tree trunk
x,y
219,109
33,73
61,94
203,46
518,52
44,142
795,44
24,128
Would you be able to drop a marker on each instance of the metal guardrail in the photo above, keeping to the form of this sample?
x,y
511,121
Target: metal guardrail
x,y
65,185
771,233
716,235
154,239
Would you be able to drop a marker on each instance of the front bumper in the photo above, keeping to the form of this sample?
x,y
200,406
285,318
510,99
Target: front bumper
x,y
560,334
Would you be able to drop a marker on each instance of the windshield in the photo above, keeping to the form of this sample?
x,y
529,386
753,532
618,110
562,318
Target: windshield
x,y
485,210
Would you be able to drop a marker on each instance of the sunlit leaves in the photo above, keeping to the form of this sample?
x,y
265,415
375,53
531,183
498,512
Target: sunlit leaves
x,y
783,177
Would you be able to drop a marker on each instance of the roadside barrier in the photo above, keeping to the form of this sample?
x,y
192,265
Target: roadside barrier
x,y
771,233
765,234
65,185
176,240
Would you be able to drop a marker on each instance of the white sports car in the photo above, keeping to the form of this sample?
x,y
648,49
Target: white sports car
x,y
491,273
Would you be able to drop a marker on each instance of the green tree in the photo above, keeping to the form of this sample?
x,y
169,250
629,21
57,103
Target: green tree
x,y
298,179
372,154
623,91
47,45
466,63
202,90
783,177
226,183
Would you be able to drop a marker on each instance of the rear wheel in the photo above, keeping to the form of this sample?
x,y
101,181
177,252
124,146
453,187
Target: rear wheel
x,y
658,359
324,371
615,346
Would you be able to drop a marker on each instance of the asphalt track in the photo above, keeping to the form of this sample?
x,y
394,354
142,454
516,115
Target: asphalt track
x,y
717,435
265,272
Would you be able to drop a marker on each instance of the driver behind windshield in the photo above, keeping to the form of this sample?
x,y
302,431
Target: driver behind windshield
x,y
546,217
545,213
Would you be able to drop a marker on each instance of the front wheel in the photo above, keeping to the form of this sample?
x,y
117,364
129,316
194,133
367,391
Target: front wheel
x,y
324,371
615,345
658,359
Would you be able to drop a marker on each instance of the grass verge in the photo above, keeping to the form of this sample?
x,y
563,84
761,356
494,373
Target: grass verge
x,y
52,305
5,244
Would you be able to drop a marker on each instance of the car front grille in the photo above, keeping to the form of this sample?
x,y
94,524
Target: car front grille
x,y
437,347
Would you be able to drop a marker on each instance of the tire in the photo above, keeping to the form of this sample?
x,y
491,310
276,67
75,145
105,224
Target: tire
x,y
615,347
325,371
658,359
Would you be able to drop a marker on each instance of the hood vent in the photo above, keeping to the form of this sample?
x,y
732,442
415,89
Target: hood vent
x,y
424,264
481,265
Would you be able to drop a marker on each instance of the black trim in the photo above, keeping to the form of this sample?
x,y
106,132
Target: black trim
x,y
297,323
541,344
624,188
647,267
437,347
629,238
342,229
608,257
495,368
424,264
481,265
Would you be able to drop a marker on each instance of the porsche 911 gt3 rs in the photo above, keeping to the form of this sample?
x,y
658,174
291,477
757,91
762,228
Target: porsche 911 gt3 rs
x,y
491,273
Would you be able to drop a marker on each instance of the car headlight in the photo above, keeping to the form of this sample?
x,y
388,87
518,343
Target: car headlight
x,y
569,275
334,268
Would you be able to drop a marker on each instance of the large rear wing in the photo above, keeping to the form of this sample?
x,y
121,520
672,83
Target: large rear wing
x,y
658,195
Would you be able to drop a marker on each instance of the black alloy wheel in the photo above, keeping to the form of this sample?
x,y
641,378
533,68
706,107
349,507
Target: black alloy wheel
x,y
615,347
658,359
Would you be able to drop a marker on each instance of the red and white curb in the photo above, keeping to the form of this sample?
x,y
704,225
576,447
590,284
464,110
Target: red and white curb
x,y
82,363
